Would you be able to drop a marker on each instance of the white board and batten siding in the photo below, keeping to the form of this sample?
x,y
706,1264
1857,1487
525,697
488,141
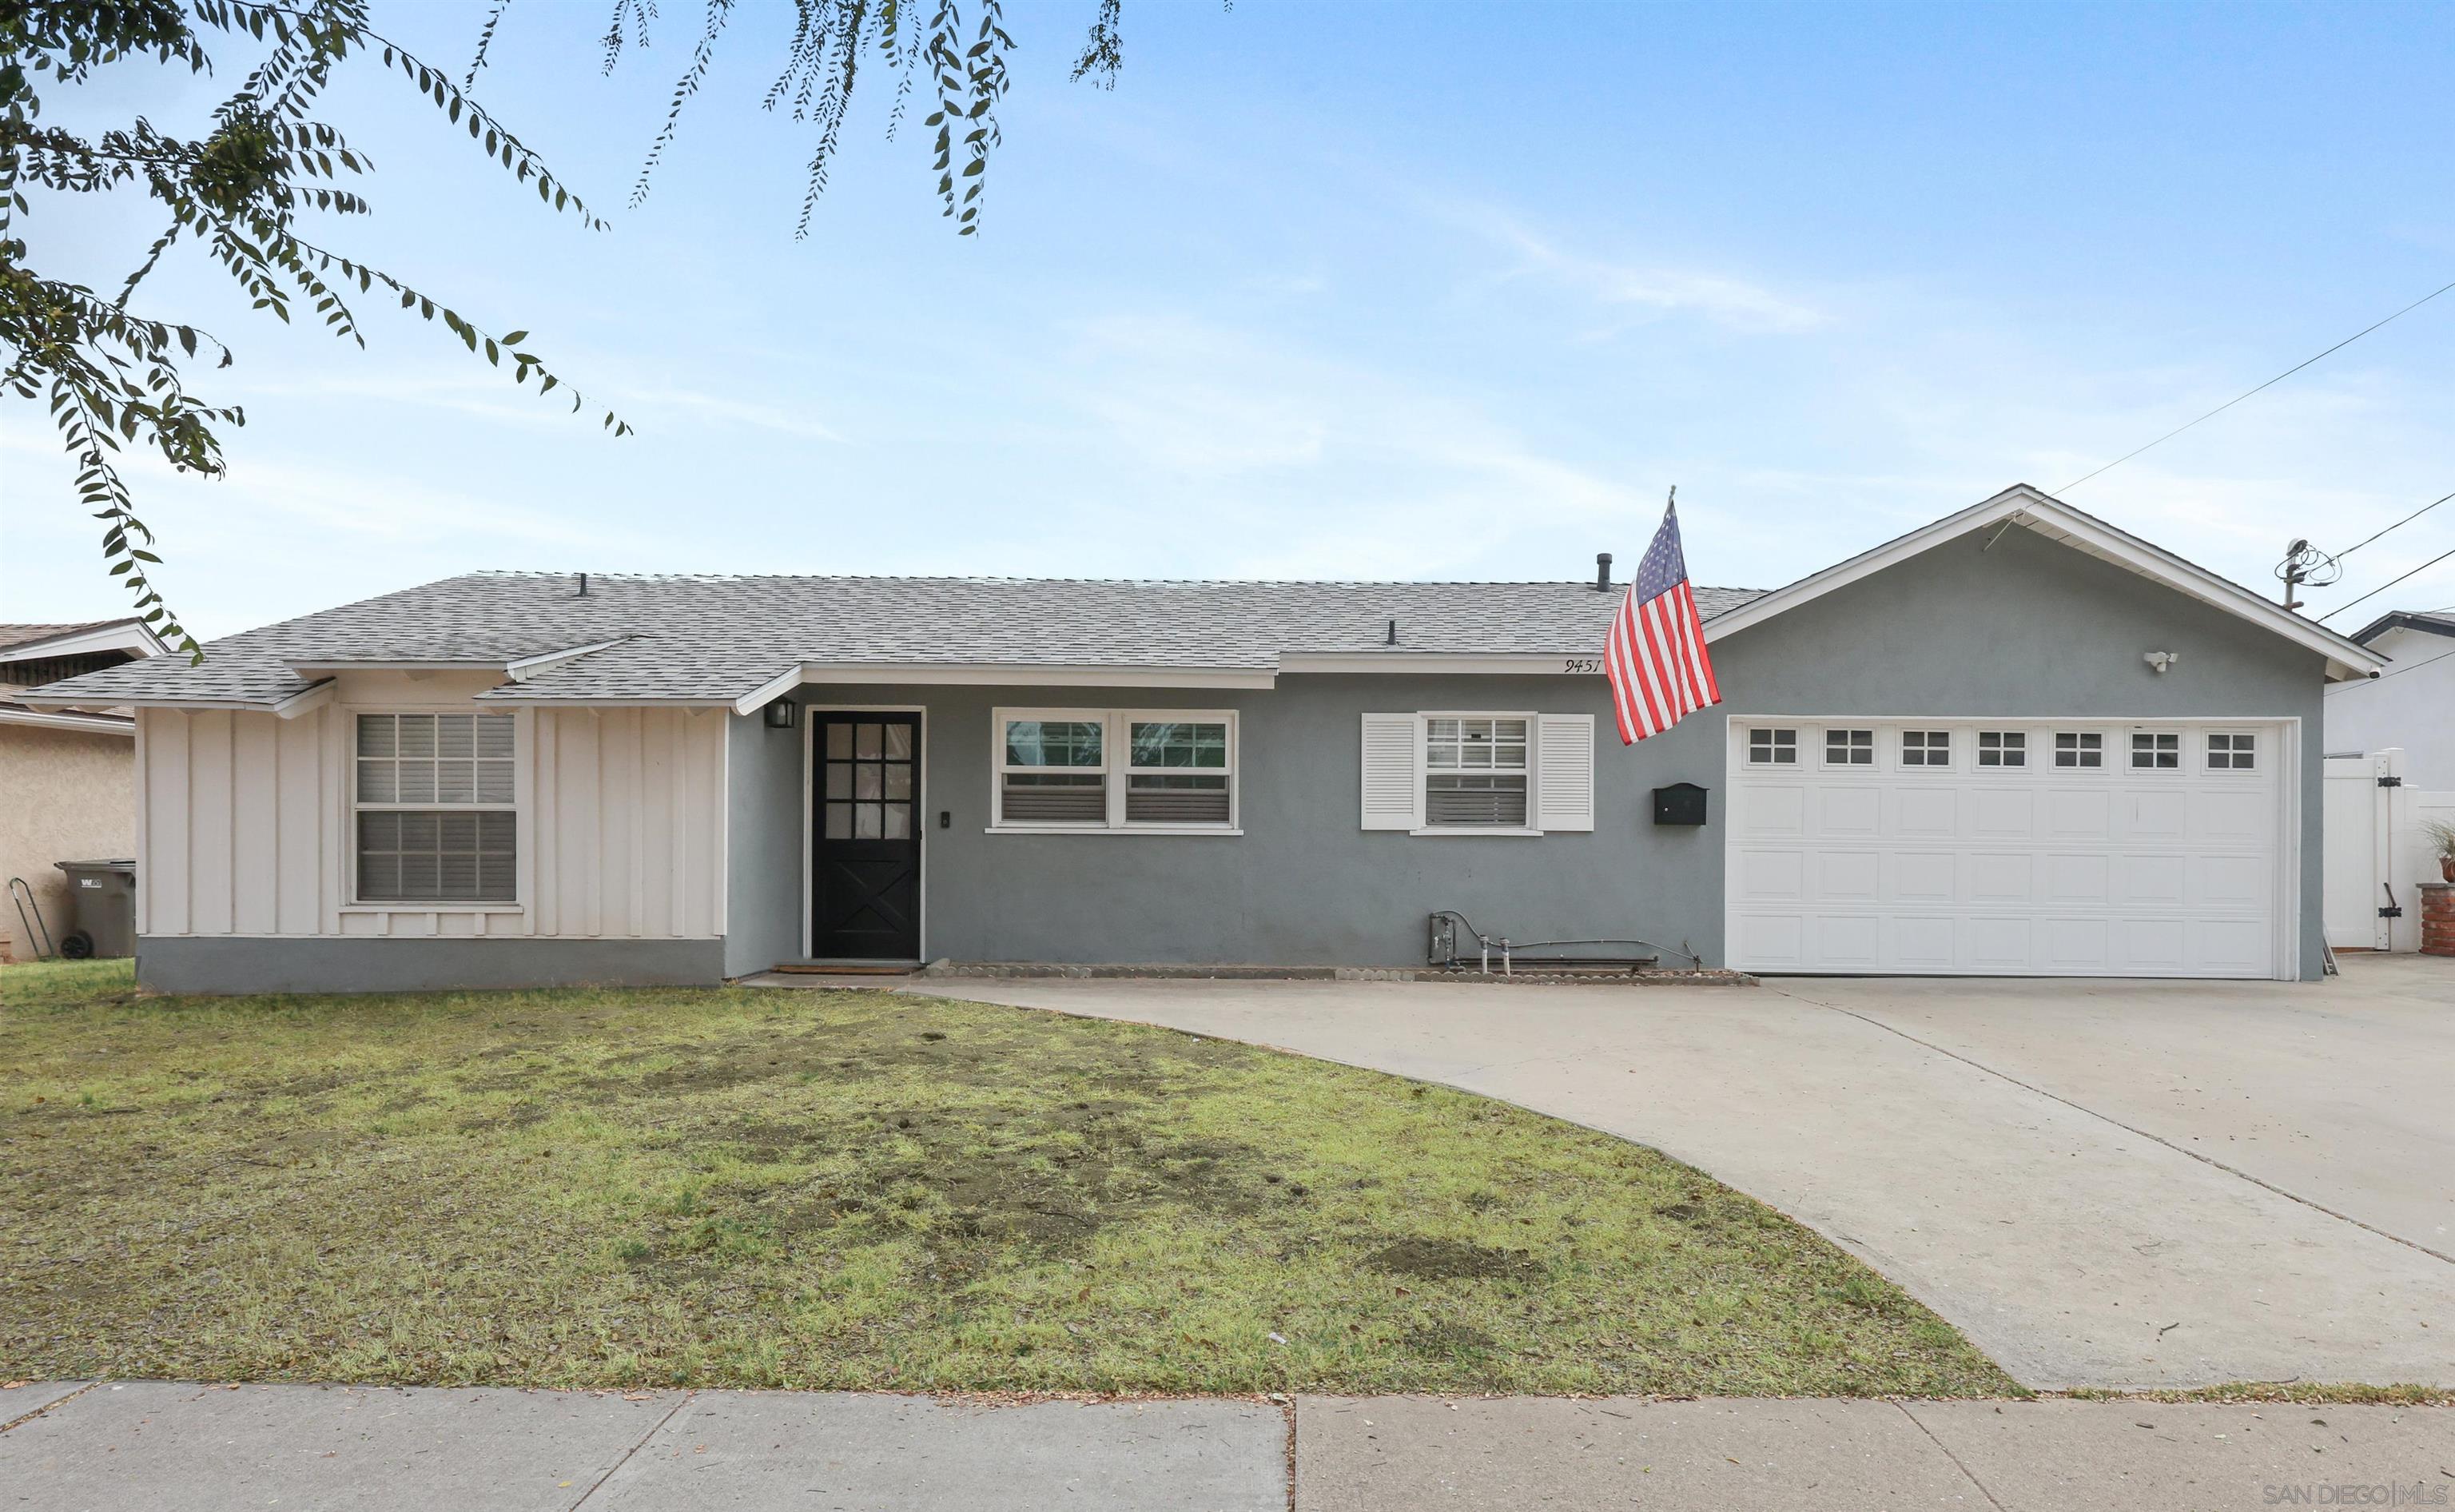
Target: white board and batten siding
x,y
1560,776
244,825
1897,867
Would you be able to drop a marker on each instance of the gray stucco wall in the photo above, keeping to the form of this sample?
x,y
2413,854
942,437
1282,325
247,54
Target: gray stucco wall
x,y
236,964
762,921
2026,628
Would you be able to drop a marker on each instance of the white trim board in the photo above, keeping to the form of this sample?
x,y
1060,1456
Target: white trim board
x,y
69,720
118,634
2051,518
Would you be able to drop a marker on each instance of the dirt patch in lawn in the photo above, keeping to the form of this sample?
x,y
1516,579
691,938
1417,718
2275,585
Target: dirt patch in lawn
x,y
860,1191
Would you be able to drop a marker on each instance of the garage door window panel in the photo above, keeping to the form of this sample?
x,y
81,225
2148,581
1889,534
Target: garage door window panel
x,y
2079,750
1926,748
1773,748
2232,753
2155,751
2003,748
1850,748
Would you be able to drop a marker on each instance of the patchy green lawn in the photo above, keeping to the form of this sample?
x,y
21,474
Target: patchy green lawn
x,y
819,1189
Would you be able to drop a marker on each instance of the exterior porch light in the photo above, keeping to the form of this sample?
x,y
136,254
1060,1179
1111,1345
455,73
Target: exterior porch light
x,y
781,714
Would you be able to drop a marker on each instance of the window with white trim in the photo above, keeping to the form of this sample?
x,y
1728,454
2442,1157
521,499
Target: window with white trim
x,y
2003,748
2154,751
1773,748
1849,748
1110,769
2232,753
433,809
2078,748
1926,748
1475,774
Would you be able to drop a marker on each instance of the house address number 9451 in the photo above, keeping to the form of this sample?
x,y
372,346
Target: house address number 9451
x,y
1570,664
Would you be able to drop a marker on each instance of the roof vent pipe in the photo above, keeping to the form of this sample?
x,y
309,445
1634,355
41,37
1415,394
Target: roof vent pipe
x,y
1602,572
583,585
1393,633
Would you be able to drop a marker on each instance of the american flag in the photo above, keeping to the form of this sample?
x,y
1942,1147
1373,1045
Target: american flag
x,y
1655,655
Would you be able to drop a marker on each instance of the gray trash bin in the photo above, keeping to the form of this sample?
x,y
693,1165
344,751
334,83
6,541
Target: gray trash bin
x,y
102,909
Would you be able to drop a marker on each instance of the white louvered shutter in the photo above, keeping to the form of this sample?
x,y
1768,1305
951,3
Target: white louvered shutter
x,y
1393,791
1564,772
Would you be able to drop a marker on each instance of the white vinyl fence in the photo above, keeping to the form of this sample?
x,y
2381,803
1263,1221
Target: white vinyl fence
x,y
2376,855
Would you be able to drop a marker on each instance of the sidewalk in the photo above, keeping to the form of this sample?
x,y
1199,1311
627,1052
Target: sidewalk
x,y
145,1446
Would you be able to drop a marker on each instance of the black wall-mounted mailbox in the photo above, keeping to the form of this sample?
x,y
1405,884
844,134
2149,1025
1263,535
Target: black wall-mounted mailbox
x,y
1679,803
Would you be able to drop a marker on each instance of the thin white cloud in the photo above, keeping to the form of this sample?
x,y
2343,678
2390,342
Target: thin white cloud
x,y
1652,289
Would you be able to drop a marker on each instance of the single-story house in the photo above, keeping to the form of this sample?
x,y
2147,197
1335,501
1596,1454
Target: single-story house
x,y
68,774
2390,770
2016,741
2412,706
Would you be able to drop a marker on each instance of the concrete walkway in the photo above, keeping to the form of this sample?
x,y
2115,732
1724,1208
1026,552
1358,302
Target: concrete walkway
x,y
143,1446
2120,1184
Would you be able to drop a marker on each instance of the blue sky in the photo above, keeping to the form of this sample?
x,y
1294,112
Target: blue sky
x,y
1324,289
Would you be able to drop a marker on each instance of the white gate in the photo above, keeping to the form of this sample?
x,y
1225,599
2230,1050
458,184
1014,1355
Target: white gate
x,y
2360,841
2375,855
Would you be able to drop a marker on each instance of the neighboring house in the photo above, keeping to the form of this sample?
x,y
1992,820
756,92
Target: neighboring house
x,y
2410,705
68,775
2390,769
1954,754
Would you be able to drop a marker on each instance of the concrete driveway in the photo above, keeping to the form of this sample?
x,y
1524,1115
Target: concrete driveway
x,y
2123,1184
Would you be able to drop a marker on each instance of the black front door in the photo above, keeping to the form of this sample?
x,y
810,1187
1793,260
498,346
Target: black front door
x,y
866,839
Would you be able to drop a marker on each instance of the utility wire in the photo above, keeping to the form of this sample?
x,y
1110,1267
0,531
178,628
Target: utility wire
x,y
2406,520
2384,586
2401,671
2269,384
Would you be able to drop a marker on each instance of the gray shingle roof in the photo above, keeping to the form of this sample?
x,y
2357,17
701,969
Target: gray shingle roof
x,y
13,636
709,638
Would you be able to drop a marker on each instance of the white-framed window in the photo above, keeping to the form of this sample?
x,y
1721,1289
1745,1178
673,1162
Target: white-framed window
x,y
2003,748
1157,770
433,809
2232,753
1773,748
2078,748
1472,772
1476,772
1849,748
2156,751
1926,748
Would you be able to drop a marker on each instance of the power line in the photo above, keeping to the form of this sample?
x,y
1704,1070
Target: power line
x,y
2384,586
2269,384
2406,520
2401,671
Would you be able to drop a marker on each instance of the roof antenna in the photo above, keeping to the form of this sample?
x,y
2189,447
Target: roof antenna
x,y
583,585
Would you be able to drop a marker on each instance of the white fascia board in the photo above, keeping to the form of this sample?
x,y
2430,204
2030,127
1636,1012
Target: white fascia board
x,y
1013,675
306,700
70,719
768,692
1504,664
522,669
120,634
289,706
318,669
2057,520
166,701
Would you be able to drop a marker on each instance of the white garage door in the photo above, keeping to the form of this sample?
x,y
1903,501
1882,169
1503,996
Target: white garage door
x,y
2010,848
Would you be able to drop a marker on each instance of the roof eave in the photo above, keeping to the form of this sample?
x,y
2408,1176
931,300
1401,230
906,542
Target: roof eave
x,y
110,635
2021,504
